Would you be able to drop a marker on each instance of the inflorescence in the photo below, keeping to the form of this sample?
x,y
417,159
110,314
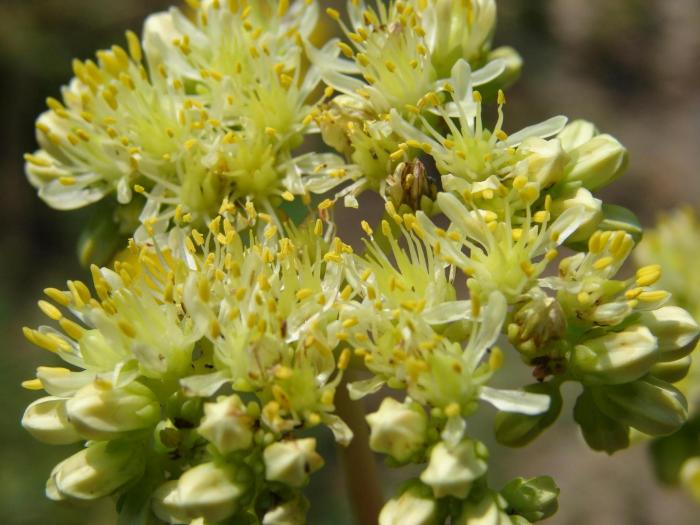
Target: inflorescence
x,y
209,348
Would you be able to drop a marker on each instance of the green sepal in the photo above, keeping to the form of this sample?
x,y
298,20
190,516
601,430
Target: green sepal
x,y
534,499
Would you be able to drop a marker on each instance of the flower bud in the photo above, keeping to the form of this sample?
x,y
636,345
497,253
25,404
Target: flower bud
x,y
534,499
291,462
672,371
96,471
536,324
650,405
209,491
397,429
101,411
675,330
46,420
514,429
615,358
597,162
227,424
289,513
451,470
409,509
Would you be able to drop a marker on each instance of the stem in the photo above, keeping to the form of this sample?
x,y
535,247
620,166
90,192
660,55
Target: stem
x,y
359,464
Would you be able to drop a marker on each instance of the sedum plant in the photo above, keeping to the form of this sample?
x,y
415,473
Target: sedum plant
x,y
204,360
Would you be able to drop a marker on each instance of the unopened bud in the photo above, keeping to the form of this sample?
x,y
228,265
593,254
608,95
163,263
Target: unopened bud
x,y
650,405
397,429
46,420
209,491
227,424
615,358
409,509
675,330
101,411
291,462
672,371
597,162
96,471
534,499
451,470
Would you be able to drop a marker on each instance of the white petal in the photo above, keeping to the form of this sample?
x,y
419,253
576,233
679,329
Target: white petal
x,y
515,400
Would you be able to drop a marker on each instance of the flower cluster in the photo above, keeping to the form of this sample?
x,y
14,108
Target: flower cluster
x,y
208,354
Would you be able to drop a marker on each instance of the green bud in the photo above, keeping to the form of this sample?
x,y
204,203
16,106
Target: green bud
x,y
600,431
672,371
397,429
227,424
650,405
209,491
47,421
96,471
535,498
615,358
451,470
289,513
409,509
514,429
675,330
101,411
597,162
291,462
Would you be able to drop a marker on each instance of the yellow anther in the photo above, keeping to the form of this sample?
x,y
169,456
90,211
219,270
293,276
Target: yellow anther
x,y
72,329
325,204
345,49
333,13
344,359
50,310
584,298
496,358
288,196
653,296
603,262
32,384
501,97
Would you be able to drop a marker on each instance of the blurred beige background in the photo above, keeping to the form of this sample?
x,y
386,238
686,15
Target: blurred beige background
x,y
631,66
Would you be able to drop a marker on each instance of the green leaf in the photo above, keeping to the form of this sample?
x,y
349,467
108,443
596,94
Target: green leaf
x,y
600,431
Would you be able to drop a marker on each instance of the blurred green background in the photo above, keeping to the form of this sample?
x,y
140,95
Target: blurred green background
x,y
631,66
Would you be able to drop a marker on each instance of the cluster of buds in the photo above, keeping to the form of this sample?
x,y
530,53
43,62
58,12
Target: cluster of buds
x,y
206,359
